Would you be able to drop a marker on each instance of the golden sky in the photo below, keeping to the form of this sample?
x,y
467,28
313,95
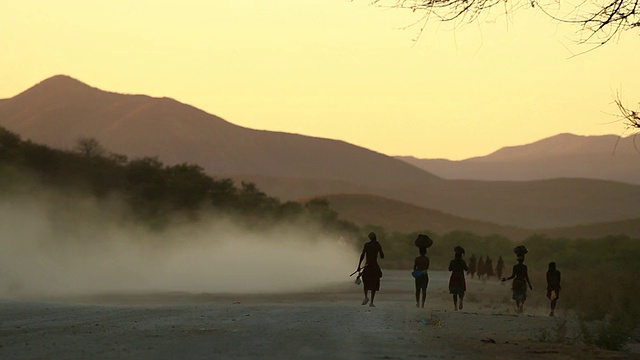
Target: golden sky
x,y
333,68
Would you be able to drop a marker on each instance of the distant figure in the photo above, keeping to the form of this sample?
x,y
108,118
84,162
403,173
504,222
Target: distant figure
x,y
480,268
472,265
520,276
488,266
553,286
499,267
457,282
421,263
371,273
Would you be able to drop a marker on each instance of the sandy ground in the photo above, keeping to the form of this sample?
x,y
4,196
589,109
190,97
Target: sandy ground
x,y
328,323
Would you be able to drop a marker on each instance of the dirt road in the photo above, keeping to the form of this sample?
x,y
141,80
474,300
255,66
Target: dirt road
x,y
328,323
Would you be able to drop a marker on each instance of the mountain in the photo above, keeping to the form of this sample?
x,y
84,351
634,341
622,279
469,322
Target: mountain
x,y
604,157
627,227
365,209
59,110
393,215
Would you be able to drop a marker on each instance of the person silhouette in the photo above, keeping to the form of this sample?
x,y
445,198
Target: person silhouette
x,y
472,265
421,263
371,273
457,282
553,286
520,276
488,266
480,268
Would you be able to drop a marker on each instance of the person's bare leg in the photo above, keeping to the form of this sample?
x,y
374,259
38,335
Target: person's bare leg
x,y
553,307
417,297
373,295
461,299
424,296
366,299
455,302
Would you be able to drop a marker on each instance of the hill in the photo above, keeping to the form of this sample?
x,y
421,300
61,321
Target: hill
x,y
396,216
597,231
605,157
59,110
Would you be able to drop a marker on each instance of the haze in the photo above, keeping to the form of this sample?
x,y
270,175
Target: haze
x,y
56,245
336,69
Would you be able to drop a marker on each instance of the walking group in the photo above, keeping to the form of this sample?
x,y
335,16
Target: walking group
x,y
371,274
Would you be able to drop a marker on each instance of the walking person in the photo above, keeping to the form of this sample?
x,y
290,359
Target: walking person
x,y
553,286
420,267
472,265
457,282
488,266
520,276
371,273
480,268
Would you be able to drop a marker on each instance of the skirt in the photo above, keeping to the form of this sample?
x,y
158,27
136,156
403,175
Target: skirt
x,y
519,288
553,292
371,277
457,284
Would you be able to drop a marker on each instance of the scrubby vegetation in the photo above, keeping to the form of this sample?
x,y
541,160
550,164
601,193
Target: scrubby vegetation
x,y
154,193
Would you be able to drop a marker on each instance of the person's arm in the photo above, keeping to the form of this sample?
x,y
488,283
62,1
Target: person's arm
x,y
451,265
513,274
361,258
428,263
526,277
381,252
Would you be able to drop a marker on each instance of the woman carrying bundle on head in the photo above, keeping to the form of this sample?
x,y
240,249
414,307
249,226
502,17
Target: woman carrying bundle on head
x,y
420,267
457,282
520,276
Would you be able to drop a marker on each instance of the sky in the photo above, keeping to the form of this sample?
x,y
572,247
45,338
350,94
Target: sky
x,y
338,69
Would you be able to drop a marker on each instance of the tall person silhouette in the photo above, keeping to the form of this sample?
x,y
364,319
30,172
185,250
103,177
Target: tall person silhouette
x,y
371,272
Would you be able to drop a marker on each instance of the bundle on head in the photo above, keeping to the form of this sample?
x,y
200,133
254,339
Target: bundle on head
x,y
520,250
459,250
423,241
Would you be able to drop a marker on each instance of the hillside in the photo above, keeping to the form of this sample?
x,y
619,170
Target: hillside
x,y
605,157
393,215
531,204
598,230
364,209
60,110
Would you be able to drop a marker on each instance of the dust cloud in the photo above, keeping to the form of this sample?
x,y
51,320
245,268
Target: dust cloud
x,y
82,247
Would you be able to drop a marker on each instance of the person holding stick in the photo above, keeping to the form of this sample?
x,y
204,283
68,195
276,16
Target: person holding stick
x,y
371,273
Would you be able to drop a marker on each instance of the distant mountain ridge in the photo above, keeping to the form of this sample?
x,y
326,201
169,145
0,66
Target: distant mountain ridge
x,y
393,215
59,110
603,157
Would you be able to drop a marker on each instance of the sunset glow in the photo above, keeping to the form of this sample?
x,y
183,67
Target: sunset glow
x,y
336,69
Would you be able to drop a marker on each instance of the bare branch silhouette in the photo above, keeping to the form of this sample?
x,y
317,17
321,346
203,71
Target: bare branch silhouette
x,y
600,20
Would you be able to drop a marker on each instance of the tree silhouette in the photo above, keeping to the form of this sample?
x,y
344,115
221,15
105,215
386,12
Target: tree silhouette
x,y
600,20
89,147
